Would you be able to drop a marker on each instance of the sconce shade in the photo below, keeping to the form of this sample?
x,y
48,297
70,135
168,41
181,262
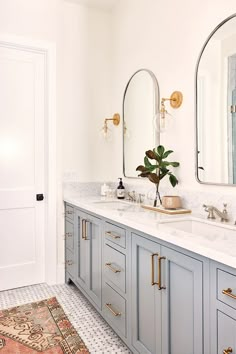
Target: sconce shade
x,y
116,121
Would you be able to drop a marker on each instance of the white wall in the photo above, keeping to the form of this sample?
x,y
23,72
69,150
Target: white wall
x,y
166,37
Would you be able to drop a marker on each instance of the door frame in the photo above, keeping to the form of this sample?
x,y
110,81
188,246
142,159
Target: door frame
x,y
48,50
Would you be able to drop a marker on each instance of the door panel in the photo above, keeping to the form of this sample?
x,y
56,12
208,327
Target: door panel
x,y
146,298
22,175
182,304
95,238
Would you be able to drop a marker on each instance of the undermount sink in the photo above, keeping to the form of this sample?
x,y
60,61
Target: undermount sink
x,y
210,230
119,205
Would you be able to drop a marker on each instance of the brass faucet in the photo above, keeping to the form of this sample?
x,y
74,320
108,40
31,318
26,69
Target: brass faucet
x,y
210,209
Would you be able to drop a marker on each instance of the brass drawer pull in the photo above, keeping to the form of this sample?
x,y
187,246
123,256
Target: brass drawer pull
x,y
69,263
69,234
227,351
152,267
109,233
114,270
69,212
112,311
228,292
159,273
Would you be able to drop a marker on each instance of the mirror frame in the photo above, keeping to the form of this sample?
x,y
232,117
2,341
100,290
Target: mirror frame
x,y
196,108
156,109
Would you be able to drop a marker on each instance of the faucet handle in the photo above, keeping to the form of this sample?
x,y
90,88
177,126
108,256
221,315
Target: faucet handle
x,y
140,198
225,206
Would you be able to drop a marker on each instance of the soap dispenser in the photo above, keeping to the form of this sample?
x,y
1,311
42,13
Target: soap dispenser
x,y
120,192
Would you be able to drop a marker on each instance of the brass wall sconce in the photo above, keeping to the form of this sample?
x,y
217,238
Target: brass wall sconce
x,y
176,100
116,121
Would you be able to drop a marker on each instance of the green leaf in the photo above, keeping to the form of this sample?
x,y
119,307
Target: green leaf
x,y
174,164
154,178
157,157
147,163
150,154
173,180
160,150
163,164
163,173
167,153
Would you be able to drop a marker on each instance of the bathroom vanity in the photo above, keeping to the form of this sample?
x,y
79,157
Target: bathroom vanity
x,y
162,283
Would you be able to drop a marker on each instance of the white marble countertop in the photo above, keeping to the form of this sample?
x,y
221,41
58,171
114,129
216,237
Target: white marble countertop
x,y
219,244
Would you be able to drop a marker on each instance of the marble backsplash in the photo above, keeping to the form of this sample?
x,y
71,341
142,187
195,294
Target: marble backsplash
x,y
191,199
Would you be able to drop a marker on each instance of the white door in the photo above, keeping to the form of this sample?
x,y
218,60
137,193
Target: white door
x,y
22,172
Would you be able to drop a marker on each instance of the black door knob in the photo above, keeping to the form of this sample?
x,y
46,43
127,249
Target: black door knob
x,y
39,197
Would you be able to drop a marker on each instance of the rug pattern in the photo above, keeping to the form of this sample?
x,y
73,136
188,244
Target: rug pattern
x,y
38,327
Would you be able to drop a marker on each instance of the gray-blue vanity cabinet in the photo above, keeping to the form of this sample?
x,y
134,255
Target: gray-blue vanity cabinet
x,y
223,309
167,300
88,255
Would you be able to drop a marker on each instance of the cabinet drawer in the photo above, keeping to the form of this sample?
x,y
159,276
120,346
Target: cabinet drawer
x,y
69,212
226,288
69,235
115,267
115,234
114,309
70,263
226,333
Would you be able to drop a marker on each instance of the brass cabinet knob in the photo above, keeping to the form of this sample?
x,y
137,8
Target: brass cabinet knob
x,y
227,351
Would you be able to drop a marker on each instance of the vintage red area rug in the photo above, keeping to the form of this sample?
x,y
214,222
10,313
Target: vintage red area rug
x,y
39,327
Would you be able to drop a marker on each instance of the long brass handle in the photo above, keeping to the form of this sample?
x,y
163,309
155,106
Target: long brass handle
x,y
228,292
152,267
114,270
84,229
109,233
227,351
69,263
159,273
112,310
69,212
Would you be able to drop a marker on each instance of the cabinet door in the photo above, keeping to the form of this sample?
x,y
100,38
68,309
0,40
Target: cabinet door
x,y
182,303
226,328
82,251
88,274
69,244
146,298
94,239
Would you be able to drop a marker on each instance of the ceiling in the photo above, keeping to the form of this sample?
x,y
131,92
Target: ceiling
x,y
102,4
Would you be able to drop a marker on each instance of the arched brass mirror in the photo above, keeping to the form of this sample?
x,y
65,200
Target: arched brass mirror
x,y
216,106
140,118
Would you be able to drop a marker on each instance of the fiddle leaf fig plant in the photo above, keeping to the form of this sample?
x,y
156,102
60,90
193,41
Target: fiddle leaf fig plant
x,y
156,171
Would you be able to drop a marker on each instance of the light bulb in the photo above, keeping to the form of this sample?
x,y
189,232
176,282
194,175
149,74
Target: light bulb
x,y
165,121
105,132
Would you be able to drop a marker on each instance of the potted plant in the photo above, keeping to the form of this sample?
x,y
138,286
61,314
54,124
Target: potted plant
x,y
161,168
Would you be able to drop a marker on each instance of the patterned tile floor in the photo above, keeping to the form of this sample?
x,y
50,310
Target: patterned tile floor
x,y
96,333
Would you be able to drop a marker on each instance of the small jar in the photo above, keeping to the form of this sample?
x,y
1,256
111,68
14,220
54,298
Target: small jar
x,y
171,202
